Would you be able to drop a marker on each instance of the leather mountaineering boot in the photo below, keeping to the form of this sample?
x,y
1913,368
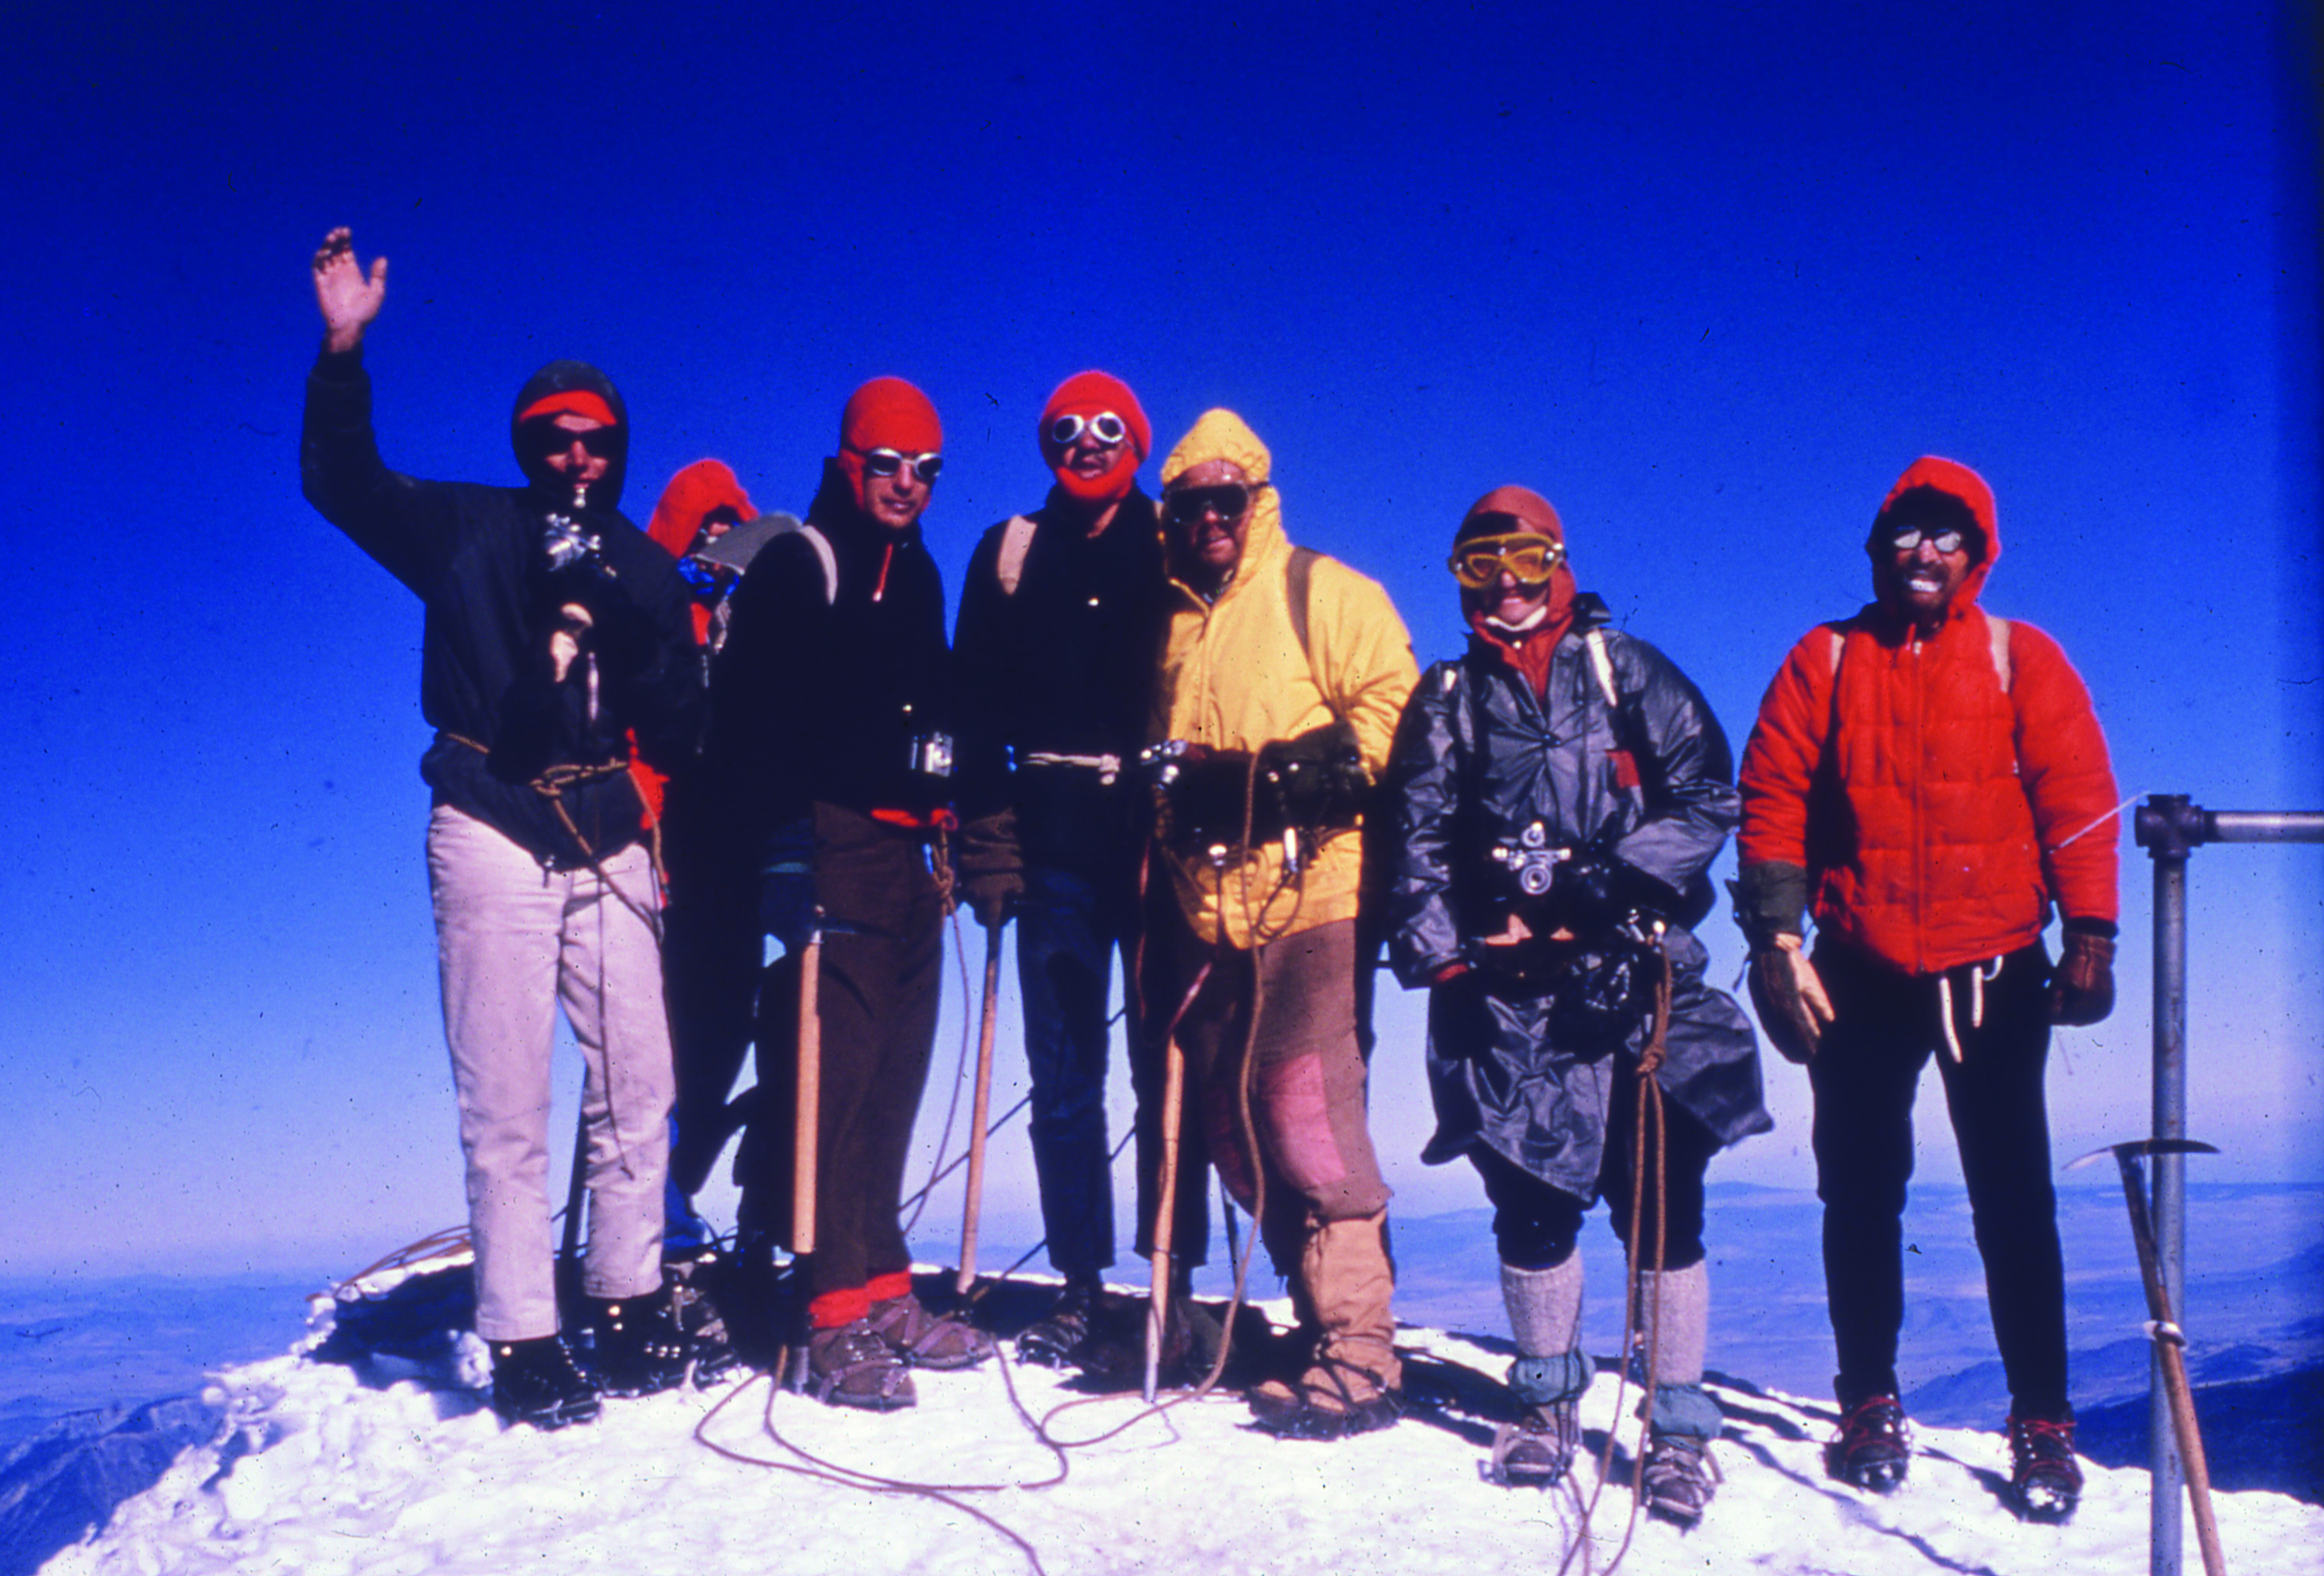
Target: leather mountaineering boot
x,y
639,1349
1355,1382
1333,1399
699,1286
937,1342
1051,1341
1873,1447
536,1382
1680,1477
2045,1479
1537,1449
848,1364
1113,1353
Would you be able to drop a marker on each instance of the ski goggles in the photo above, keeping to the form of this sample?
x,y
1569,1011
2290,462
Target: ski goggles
x,y
1945,539
1105,428
1187,505
889,461
1528,559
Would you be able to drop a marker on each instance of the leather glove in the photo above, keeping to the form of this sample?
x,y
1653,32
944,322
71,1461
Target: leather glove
x,y
786,897
990,868
1789,997
2081,986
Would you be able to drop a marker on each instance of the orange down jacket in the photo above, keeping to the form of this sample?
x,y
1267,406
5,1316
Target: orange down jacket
x,y
1938,808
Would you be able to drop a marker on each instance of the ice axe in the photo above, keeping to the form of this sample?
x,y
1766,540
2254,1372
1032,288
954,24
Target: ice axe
x,y
980,1106
1165,1209
807,1124
2169,1340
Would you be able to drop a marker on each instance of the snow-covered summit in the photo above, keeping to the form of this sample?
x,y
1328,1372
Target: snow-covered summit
x,y
389,1464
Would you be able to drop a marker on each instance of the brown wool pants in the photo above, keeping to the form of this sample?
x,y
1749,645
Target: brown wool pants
x,y
882,955
1306,1081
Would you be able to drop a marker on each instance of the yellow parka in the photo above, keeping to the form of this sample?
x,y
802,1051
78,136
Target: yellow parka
x,y
1235,676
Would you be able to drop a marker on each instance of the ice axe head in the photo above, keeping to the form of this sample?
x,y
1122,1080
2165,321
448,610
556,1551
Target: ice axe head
x,y
2130,1154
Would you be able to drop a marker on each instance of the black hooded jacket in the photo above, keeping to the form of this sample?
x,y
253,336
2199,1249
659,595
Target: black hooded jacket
x,y
475,557
820,698
1477,759
1067,663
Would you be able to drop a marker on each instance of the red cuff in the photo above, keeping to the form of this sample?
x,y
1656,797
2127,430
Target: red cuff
x,y
834,1309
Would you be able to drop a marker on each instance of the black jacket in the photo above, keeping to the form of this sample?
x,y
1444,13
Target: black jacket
x,y
1477,759
1066,664
817,697
473,556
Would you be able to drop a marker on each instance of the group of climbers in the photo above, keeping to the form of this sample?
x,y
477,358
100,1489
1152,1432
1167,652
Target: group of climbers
x,y
1164,734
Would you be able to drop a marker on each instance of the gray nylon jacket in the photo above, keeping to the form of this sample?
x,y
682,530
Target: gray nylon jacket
x,y
1477,759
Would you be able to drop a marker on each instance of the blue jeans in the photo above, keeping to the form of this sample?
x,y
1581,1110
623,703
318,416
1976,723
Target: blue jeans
x,y
1069,927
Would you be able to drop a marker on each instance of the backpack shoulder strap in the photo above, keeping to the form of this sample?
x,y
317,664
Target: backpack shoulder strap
x,y
1998,631
824,556
1298,585
1015,541
1601,663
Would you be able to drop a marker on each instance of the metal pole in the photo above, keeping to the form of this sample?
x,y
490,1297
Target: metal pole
x,y
2169,1192
2263,826
2169,827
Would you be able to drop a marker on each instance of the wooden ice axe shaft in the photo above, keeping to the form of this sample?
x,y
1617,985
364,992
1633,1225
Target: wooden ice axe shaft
x,y
1165,1210
810,1093
980,1106
2169,1342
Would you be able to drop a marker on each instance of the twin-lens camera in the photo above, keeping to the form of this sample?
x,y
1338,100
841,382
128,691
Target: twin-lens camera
x,y
1532,859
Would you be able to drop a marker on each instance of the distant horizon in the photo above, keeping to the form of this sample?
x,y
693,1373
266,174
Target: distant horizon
x,y
1008,1232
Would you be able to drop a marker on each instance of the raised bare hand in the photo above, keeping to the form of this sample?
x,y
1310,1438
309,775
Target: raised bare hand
x,y
349,301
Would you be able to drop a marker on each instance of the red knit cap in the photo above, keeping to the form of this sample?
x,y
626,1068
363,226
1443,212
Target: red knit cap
x,y
692,494
571,402
886,412
1529,509
1088,393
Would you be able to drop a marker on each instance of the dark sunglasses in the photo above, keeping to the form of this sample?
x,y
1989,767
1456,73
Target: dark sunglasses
x,y
1908,538
601,442
1187,505
1105,427
889,461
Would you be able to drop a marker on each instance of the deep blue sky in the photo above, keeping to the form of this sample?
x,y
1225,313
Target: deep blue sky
x,y
1707,276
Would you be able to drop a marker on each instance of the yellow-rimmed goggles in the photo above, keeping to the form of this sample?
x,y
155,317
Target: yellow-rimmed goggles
x,y
1529,560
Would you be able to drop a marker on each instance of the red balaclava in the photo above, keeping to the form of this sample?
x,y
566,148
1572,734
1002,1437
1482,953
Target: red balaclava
x,y
1498,513
1088,393
886,412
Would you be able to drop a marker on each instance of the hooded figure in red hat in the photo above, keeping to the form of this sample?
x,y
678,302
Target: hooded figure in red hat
x,y
1060,621
1555,798
710,945
831,751
1930,783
